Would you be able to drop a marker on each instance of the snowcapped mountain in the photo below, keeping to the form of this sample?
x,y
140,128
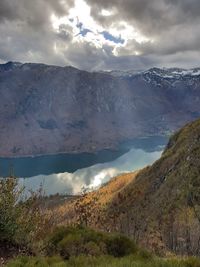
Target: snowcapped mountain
x,y
172,73
50,109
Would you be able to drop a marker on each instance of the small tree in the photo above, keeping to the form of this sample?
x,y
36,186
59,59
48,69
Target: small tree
x,y
84,208
22,219
10,210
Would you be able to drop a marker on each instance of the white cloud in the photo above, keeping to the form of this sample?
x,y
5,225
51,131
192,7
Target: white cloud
x,y
106,13
138,34
85,29
102,177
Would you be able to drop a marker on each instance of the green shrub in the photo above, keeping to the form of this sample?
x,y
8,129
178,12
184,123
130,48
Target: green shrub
x,y
9,210
22,221
74,241
71,245
56,237
92,249
120,246
144,254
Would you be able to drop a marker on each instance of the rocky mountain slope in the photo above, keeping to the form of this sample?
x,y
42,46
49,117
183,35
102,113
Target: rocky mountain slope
x,y
48,109
159,206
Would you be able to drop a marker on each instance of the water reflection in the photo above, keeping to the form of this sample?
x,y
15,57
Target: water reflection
x,y
91,177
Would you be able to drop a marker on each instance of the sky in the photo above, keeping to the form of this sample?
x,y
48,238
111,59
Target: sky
x,y
101,34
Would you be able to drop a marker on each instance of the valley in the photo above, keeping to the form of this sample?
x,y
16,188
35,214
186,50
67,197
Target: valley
x,y
99,133
50,110
92,132
149,217
70,173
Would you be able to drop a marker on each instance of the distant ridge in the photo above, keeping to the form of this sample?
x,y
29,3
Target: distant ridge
x,y
48,109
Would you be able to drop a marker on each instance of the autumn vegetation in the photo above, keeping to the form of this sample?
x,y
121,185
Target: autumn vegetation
x,y
147,218
158,207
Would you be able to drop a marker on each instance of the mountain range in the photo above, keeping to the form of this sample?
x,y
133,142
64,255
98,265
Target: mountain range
x,y
48,109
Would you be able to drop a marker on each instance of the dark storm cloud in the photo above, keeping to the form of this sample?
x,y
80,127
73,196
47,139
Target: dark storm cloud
x,y
26,31
172,27
34,13
151,17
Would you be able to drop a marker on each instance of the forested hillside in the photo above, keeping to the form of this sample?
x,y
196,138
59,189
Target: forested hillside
x,y
159,207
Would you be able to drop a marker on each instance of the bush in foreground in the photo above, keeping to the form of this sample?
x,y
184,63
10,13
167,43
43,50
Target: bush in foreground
x,y
74,241
22,221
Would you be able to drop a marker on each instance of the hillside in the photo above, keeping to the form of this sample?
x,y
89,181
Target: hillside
x,y
62,109
159,206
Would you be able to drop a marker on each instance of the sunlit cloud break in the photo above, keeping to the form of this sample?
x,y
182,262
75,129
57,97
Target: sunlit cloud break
x,y
101,35
85,29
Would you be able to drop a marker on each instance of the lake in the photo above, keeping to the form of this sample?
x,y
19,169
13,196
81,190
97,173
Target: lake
x,y
69,173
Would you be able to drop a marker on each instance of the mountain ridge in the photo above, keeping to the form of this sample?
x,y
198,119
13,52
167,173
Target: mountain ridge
x,y
156,70
48,109
159,206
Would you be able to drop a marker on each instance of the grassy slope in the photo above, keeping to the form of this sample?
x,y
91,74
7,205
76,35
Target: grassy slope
x,y
157,206
104,261
154,205
158,200
95,201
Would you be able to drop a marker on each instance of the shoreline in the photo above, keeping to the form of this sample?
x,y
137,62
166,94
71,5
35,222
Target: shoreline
x,y
114,147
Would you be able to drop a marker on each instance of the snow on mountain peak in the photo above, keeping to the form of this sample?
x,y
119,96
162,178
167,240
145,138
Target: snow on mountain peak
x,y
170,73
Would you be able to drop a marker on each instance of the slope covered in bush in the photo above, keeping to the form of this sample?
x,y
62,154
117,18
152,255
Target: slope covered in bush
x,y
159,207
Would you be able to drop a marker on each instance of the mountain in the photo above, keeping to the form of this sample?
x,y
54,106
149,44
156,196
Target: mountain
x,y
49,109
170,73
159,206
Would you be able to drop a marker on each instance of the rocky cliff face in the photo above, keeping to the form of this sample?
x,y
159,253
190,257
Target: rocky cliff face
x,y
48,109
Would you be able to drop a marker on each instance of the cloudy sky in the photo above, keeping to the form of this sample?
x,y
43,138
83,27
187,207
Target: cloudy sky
x,y
101,34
